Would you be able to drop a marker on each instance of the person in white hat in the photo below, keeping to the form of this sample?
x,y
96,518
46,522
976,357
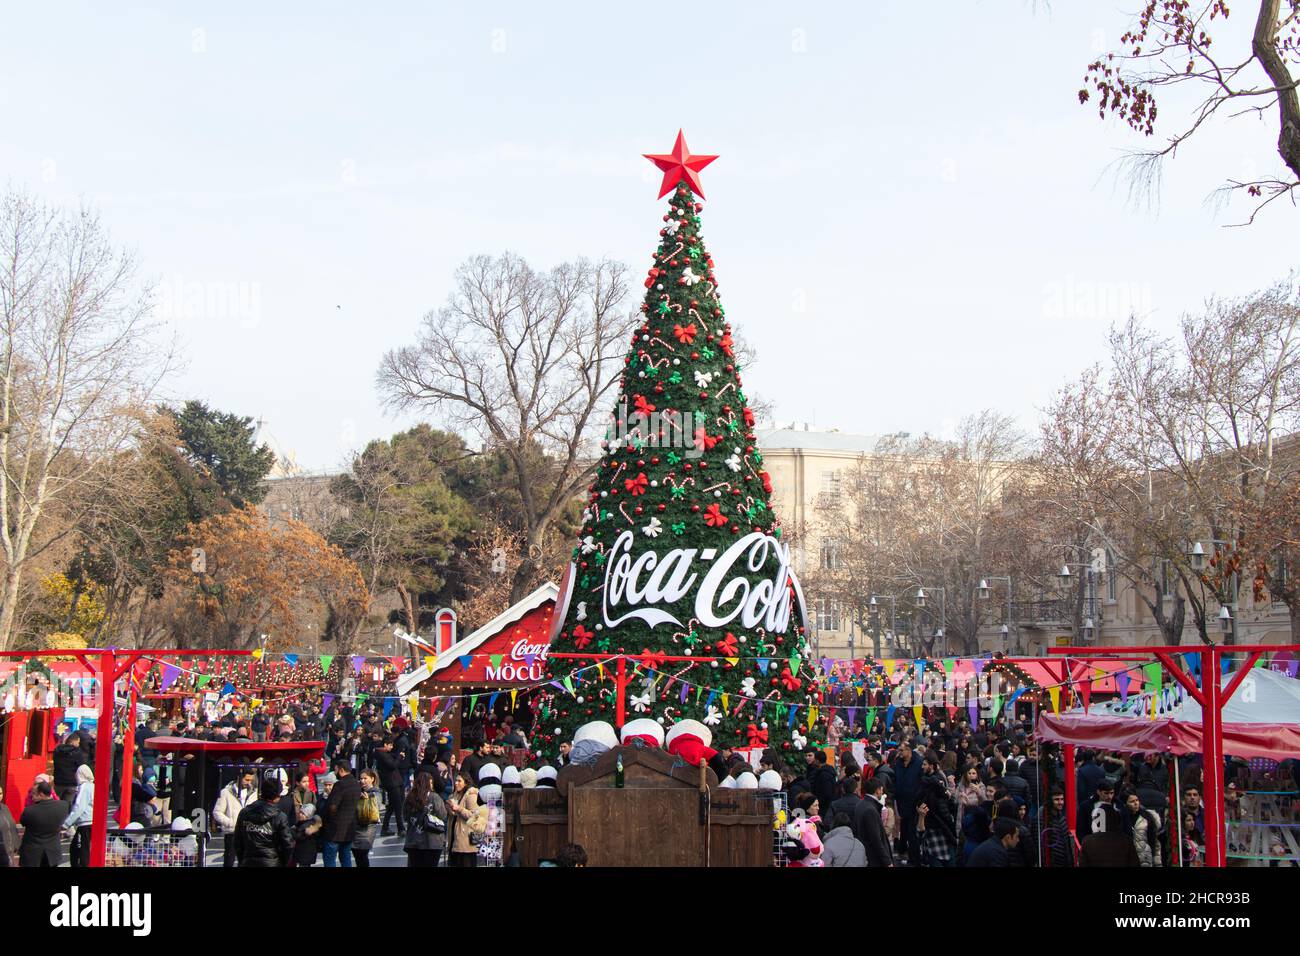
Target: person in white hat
x,y
546,776
728,783
644,731
770,780
510,779
746,781
528,778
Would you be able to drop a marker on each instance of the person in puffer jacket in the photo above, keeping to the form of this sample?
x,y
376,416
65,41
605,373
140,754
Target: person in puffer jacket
x,y
262,836
841,847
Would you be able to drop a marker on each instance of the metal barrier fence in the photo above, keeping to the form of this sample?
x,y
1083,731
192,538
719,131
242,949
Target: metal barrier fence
x,y
156,846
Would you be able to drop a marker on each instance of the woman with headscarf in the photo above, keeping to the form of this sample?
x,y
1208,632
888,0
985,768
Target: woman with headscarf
x,y
79,820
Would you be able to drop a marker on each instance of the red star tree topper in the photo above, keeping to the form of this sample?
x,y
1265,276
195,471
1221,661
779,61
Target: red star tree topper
x,y
679,165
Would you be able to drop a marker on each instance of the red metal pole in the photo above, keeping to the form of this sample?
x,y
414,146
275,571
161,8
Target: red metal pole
x,y
1212,758
103,759
128,755
620,685
1071,791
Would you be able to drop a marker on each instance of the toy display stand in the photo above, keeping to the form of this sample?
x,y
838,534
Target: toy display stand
x,y
1266,829
667,813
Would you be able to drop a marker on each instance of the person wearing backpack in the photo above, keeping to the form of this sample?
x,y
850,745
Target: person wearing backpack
x,y
367,818
426,828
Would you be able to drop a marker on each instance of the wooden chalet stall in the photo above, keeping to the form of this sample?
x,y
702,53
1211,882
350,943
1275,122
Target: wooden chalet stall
x,y
506,654
667,813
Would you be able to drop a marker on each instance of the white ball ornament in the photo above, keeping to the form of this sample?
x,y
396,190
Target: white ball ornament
x,y
717,494
655,483
677,361
743,639
559,730
713,664
582,700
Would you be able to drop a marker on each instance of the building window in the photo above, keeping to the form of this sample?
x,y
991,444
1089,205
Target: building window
x,y
830,555
831,483
828,614
1112,587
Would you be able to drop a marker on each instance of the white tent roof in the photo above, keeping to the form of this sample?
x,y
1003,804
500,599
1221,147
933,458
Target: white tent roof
x,y
1264,697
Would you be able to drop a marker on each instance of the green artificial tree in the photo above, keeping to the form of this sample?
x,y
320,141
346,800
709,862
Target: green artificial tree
x,y
680,553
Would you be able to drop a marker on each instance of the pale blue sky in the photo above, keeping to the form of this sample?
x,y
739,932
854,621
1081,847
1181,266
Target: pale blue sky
x,y
910,216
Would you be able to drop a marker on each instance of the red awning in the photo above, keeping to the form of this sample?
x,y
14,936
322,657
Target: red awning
x,y
1163,735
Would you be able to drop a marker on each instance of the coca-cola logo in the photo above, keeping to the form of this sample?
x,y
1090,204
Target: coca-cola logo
x,y
522,650
643,583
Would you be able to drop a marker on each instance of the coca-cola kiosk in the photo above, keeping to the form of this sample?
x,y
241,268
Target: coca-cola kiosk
x,y
489,673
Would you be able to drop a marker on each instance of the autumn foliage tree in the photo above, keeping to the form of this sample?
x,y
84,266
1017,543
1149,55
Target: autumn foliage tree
x,y
259,579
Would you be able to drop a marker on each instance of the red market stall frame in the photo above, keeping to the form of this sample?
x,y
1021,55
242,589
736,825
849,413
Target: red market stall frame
x,y
493,658
109,665
1211,695
253,751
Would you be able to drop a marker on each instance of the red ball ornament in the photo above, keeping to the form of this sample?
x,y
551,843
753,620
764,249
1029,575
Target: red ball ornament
x,y
694,356
636,510
695,509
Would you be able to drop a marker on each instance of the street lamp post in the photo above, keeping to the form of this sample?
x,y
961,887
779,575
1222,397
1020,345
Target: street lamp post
x,y
1090,577
874,606
943,612
984,592
1228,609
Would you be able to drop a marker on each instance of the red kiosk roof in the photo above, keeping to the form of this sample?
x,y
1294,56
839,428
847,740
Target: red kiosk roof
x,y
498,653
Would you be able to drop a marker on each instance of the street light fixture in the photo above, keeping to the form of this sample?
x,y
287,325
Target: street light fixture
x,y
920,597
1225,619
1197,556
983,590
1064,574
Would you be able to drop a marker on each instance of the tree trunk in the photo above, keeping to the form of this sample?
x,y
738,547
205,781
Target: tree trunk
x,y
9,608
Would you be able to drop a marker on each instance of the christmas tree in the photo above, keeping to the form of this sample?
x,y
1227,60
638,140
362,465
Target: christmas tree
x,y
680,554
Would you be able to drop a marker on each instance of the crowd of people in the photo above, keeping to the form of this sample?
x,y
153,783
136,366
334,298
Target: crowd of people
x,y
952,794
943,794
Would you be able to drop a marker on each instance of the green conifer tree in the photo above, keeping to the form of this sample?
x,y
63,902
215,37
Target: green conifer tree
x,y
680,553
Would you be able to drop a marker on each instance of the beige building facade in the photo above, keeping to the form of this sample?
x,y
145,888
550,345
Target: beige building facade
x,y
806,463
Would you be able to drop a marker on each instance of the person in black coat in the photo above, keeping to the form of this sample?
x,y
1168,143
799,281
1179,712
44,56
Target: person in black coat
x,y
997,849
388,764
263,837
42,824
68,756
821,780
340,815
868,826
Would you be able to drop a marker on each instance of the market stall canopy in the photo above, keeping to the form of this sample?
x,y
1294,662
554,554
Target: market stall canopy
x,y
286,749
1262,719
509,649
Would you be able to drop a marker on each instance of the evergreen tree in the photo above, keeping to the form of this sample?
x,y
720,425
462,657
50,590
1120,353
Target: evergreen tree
x,y
223,446
679,551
